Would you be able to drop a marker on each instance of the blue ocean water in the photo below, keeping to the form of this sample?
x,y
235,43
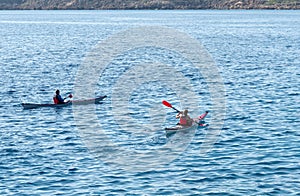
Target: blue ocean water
x,y
42,151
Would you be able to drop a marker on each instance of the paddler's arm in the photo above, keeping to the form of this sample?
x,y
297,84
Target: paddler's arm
x,y
178,115
69,96
60,99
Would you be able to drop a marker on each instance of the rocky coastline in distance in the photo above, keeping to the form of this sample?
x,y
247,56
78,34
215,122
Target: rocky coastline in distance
x,y
146,4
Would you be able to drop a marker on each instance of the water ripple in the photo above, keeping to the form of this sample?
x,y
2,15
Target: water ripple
x,y
257,153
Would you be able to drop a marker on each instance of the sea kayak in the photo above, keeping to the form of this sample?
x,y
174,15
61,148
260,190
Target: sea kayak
x,y
199,121
79,102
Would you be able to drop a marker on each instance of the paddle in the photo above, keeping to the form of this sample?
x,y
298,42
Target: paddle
x,y
169,105
69,96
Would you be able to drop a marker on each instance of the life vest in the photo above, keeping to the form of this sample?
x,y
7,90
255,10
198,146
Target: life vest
x,y
55,100
182,120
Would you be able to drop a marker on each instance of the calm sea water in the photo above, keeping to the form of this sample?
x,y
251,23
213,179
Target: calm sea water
x,y
43,151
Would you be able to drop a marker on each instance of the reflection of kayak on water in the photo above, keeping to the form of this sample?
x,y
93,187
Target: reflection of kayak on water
x,y
197,122
79,102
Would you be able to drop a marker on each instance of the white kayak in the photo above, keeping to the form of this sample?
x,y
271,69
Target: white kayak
x,y
79,102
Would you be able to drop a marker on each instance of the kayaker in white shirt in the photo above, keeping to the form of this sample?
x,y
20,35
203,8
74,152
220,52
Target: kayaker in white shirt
x,y
184,118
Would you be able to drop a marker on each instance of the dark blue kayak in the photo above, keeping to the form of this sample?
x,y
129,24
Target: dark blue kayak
x,y
79,102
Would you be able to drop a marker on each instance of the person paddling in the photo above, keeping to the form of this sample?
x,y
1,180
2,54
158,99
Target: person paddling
x,y
184,118
58,99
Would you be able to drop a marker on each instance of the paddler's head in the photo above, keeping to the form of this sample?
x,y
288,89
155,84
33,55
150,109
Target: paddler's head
x,y
57,92
185,112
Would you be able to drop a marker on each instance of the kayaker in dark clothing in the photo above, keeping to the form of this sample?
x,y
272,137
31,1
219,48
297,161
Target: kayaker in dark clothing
x,y
58,99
